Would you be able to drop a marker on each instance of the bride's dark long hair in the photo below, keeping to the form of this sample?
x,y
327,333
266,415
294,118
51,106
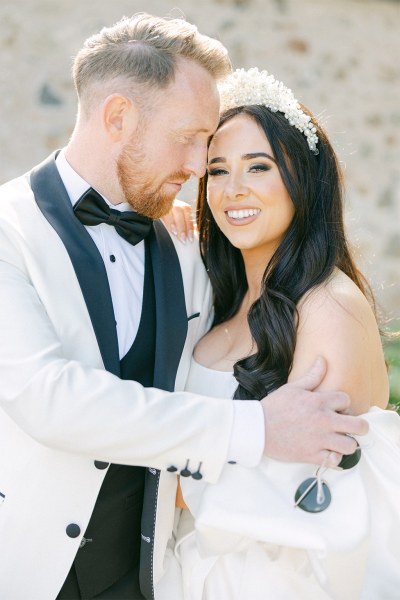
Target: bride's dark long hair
x,y
314,244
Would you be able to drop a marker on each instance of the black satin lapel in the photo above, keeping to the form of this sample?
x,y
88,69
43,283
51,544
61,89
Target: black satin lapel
x,y
52,199
170,307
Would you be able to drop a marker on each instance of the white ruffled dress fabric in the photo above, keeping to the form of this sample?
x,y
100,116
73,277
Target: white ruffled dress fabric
x,y
247,541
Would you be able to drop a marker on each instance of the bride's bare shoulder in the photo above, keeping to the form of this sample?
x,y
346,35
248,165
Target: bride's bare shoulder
x,y
338,296
337,321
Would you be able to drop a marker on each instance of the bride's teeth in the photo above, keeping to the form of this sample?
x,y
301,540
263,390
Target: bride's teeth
x,y
243,213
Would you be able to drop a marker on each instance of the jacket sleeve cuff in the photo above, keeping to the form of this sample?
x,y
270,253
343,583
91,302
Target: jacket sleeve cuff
x,y
247,441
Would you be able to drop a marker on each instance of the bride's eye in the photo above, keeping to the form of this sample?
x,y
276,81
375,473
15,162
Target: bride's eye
x,y
259,168
216,171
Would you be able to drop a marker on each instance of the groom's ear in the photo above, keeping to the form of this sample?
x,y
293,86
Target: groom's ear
x,y
120,117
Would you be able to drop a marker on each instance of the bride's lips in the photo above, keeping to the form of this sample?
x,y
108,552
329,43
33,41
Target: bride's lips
x,y
241,216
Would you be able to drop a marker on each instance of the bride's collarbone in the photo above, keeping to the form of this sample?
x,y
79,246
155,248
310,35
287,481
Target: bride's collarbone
x,y
224,345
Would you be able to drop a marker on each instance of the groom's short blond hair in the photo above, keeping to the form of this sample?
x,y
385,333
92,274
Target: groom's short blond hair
x,y
139,54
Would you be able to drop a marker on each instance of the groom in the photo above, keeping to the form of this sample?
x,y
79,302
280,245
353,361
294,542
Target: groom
x,y
96,302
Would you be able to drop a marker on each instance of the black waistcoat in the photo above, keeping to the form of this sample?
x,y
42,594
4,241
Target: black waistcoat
x,y
111,542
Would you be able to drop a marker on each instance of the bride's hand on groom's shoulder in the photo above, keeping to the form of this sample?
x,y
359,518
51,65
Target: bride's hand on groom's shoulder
x,y
180,222
303,425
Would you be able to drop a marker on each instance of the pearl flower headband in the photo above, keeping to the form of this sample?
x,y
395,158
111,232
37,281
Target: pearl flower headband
x,y
244,88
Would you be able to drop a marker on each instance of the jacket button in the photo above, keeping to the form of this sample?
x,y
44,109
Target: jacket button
x,y
197,475
73,530
186,471
101,465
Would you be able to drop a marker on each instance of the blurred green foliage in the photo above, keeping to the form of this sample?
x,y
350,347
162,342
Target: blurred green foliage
x,y
392,354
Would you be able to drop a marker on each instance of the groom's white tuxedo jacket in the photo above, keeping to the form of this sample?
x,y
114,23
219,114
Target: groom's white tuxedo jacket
x,y
62,404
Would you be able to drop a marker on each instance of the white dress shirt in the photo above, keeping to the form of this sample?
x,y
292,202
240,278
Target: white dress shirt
x,y
124,265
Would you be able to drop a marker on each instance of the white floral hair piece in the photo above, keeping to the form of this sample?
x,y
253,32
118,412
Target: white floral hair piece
x,y
248,87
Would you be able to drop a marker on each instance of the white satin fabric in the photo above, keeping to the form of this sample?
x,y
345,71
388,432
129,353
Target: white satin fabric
x,y
247,541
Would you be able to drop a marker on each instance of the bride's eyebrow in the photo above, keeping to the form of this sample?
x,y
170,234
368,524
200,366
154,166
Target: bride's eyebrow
x,y
217,159
253,155
249,156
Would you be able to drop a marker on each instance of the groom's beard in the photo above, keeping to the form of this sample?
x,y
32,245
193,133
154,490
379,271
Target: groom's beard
x,y
146,197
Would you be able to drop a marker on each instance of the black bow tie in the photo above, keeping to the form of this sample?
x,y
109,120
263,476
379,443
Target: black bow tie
x,y
91,209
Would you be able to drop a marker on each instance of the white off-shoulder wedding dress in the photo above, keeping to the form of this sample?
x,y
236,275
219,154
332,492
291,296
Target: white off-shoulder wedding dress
x,y
243,539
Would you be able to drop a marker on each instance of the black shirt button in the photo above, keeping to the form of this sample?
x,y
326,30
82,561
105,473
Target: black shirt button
x,y
172,469
101,465
112,258
73,530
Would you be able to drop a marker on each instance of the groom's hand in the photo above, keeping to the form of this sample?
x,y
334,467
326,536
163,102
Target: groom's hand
x,y
303,425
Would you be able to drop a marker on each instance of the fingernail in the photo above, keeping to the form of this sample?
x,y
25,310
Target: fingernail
x,y
191,237
174,230
183,238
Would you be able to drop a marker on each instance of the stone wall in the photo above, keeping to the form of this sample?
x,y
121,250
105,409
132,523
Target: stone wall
x,y
341,57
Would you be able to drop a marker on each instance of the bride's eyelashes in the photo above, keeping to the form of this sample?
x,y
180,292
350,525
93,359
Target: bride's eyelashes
x,y
215,172
258,168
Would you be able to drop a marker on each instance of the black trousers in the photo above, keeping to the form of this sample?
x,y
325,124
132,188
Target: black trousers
x,y
126,588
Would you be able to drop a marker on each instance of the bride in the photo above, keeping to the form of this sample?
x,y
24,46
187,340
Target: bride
x,y
286,289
